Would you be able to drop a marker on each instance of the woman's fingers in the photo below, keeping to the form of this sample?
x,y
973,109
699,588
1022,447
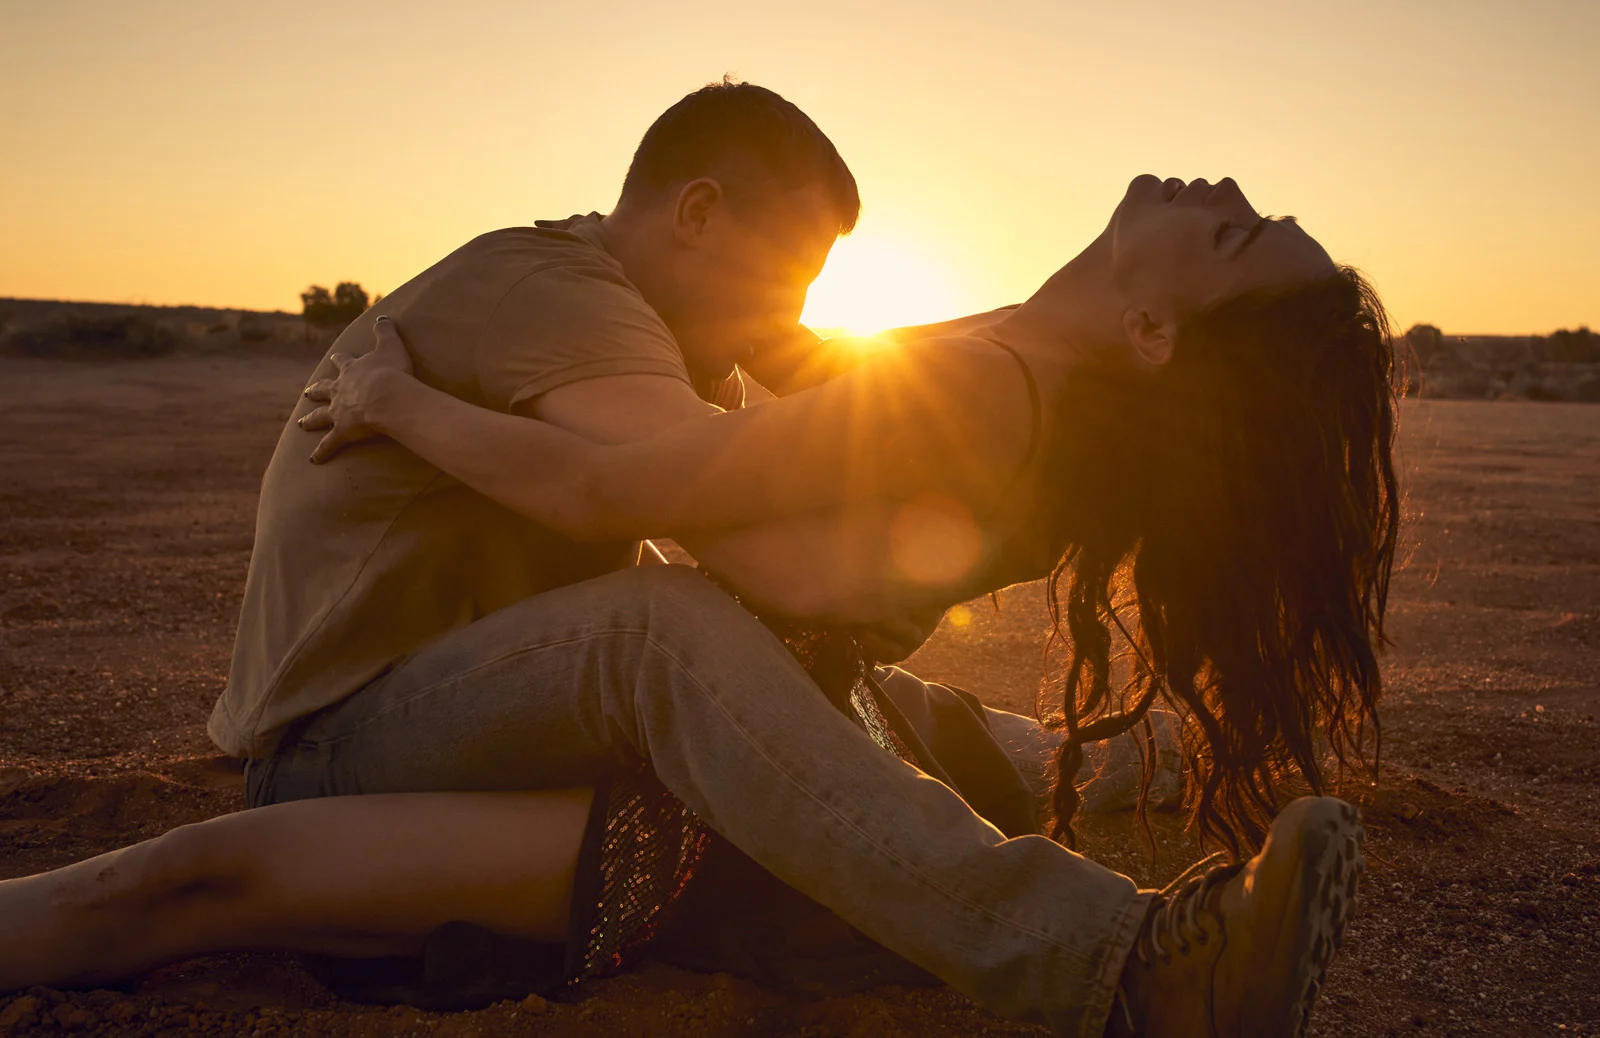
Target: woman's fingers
x,y
335,441
391,349
341,413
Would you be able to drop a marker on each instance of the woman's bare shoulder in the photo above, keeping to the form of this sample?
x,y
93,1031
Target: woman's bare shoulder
x,y
979,389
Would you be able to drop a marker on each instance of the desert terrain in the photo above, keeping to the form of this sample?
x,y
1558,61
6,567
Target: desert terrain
x,y
127,495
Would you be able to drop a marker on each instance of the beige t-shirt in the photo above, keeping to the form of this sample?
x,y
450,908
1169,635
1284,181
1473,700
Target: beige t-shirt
x,y
363,560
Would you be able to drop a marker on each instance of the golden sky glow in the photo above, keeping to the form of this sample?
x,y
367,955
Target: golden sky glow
x,y
230,153
873,283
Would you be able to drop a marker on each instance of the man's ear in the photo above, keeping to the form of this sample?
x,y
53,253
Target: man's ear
x,y
1149,339
696,202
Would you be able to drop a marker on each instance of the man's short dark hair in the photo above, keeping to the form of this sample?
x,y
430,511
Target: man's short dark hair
x,y
750,140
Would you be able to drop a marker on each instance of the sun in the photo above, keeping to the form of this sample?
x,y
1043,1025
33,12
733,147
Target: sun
x,y
873,283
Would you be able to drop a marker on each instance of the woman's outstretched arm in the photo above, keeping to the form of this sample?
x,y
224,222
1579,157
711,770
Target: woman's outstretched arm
x,y
947,417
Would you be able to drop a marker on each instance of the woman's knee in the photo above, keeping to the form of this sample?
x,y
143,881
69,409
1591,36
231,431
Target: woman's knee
x,y
201,857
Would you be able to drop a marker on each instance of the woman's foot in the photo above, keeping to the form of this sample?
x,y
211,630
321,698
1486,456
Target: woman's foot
x,y
1241,950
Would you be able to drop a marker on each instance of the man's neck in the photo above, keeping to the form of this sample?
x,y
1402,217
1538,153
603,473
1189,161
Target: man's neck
x,y
630,238
634,238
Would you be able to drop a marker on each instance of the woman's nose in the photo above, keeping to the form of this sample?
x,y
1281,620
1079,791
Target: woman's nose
x,y
1226,192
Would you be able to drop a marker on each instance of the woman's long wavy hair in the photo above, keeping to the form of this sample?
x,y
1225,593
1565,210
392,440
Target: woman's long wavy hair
x,y
1230,523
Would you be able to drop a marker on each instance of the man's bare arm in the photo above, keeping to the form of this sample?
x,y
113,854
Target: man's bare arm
x,y
833,564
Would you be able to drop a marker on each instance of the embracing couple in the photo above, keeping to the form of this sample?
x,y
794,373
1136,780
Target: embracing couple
x,y
492,744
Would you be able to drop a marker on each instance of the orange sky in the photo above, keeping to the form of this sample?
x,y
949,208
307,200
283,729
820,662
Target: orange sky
x,y
230,153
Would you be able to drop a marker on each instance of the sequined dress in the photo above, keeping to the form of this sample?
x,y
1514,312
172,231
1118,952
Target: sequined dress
x,y
644,844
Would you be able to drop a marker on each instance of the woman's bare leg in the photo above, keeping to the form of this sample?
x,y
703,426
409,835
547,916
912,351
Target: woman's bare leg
x,y
357,875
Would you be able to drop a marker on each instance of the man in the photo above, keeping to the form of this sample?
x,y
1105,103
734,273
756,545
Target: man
x,y
401,633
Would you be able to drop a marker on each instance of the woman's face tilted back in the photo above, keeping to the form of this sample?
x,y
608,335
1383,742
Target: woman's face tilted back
x,y
1178,249
1242,483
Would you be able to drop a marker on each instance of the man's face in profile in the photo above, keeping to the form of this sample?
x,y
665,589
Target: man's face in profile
x,y
745,287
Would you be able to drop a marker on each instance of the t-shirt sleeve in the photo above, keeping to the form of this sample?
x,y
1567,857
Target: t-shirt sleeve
x,y
569,323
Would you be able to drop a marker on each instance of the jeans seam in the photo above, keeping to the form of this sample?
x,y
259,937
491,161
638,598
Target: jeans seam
x,y
980,910
1113,960
476,668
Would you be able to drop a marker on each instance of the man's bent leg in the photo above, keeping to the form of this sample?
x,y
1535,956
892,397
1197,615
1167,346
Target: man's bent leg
x,y
656,665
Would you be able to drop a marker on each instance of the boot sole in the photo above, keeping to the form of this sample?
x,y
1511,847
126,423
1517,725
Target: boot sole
x,y
1332,865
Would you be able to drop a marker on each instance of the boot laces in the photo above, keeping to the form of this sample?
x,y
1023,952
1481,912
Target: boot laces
x,y
1177,923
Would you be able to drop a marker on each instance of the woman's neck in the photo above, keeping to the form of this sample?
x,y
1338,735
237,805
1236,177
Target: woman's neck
x,y
1072,314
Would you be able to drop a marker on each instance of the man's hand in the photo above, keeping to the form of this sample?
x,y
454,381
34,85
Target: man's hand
x,y
351,402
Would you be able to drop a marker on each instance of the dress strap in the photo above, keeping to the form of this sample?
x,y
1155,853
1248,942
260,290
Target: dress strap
x,y
1037,429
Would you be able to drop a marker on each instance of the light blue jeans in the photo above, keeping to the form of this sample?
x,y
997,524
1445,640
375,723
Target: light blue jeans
x,y
656,665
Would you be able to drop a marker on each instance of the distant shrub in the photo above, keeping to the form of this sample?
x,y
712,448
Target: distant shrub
x,y
1574,346
344,304
1426,342
254,328
80,336
1473,383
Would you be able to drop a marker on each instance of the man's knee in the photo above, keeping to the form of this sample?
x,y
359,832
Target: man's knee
x,y
672,581
681,596
703,626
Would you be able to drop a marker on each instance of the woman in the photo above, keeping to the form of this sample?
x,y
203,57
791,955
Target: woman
x,y
1195,415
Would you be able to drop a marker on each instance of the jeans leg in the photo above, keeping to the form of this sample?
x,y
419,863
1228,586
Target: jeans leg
x,y
656,665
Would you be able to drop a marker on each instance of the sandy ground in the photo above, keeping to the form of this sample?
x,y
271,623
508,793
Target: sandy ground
x,y
127,494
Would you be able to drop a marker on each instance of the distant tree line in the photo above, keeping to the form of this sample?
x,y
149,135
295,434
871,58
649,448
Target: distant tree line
x,y
324,309
1574,346
1564,365
1566,346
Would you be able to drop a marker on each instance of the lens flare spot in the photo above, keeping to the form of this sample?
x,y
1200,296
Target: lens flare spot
x,y
934,541
959,616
